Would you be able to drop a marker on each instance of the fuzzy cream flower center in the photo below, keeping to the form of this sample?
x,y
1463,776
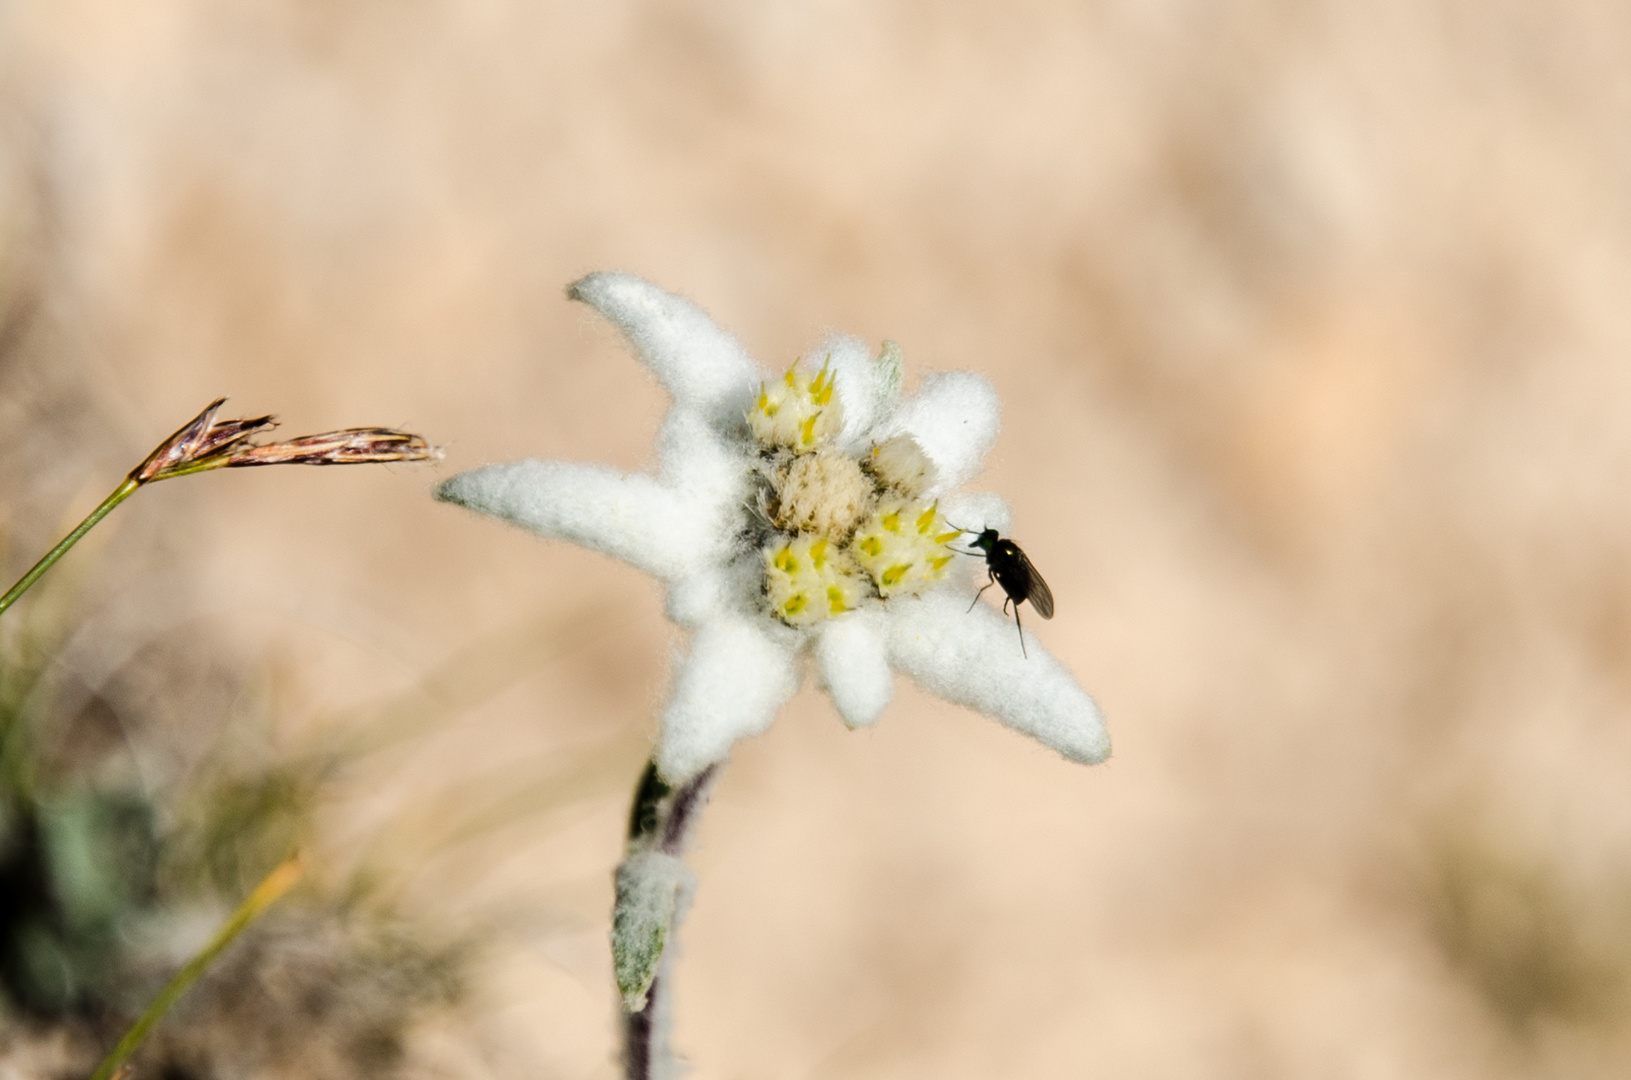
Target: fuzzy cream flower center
x,y
825,492
901,463
846,531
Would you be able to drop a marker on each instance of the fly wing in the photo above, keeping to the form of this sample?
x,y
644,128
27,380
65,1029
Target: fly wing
x,y
1036,590
1019,578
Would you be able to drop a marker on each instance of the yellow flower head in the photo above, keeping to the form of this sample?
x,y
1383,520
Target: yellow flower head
x,y
902,547
798,412
809,578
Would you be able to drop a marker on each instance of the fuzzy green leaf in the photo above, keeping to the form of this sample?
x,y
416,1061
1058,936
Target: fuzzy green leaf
x,y
891,373
652,892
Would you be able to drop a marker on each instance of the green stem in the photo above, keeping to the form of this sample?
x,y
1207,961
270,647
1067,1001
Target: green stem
x,y
120,494
254,906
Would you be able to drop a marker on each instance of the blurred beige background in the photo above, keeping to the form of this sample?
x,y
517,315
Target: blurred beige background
x,y
1311,325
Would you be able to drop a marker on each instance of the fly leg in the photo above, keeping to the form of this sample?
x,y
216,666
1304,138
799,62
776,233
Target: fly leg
x,y
1021,630
984,587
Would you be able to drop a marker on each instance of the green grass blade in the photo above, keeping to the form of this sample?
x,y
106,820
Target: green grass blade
x,y
120,494
264,895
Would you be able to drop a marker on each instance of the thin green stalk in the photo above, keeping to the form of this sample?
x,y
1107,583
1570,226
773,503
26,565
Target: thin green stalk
x,y
120,494
273,886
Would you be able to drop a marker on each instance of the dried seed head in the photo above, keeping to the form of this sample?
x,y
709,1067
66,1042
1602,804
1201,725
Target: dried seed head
x,y
353,446
207,443
202,439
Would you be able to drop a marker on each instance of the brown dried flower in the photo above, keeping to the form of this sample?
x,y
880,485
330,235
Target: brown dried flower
x,y
208,443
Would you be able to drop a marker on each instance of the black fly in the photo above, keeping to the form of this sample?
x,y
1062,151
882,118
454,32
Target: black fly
x,y
1009,567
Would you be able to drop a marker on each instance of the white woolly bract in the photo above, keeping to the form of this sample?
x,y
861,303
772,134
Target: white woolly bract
x,y
972,657
697,362
976,511
626,515
852,660
715,592
729,686
707,474
954,418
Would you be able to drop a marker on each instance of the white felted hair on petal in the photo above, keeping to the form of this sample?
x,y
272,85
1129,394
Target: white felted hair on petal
x,y
698,363
628,516
954,418
973,658
855,374
693,459
852,660
697,599
717,592
729,686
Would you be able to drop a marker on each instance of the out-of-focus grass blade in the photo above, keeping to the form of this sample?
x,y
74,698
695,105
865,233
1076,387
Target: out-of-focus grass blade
x,y
262,897
500,801
462,682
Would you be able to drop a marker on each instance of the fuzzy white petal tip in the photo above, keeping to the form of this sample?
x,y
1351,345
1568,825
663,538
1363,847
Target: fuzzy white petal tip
x,y
955,419
852,660
973,658
628,516
699,364
729,687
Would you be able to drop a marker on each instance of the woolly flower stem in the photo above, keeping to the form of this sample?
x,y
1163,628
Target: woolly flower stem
x,y
653,890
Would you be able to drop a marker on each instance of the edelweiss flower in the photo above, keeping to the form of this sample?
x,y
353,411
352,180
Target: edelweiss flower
x,y
803,512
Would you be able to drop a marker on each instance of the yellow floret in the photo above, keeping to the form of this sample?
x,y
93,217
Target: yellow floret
x,y
900,548
800,413
807,580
